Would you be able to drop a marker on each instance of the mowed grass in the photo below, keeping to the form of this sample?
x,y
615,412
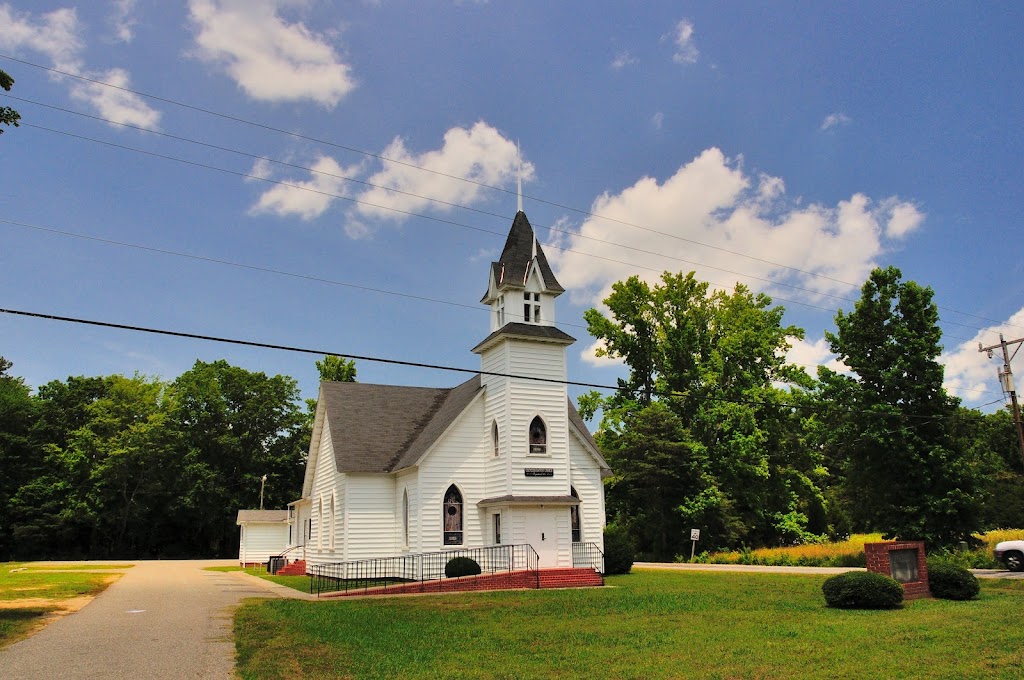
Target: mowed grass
x,y
296,582
645,625
43,589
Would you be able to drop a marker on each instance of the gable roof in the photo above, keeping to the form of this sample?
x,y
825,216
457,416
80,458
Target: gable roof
x,y
513,266
576,421
383,428
264,516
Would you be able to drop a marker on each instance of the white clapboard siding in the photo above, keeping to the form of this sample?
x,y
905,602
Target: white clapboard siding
x,y
585,477
372,522
327,484
459,457
407,482
259,541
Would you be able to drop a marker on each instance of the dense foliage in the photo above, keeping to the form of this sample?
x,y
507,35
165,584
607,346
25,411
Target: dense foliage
x,y
619,550
950,581
890,430
862,590
702,435
139,467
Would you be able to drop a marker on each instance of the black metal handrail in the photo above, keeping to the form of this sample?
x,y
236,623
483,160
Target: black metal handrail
x,y
384,572
588,555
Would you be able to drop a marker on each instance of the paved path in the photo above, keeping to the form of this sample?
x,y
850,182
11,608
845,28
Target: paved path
x,y
162,619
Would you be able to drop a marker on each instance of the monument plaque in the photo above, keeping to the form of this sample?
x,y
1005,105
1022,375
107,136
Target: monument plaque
x,y
903,565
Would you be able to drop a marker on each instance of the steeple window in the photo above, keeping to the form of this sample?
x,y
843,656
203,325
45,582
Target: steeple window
x,y
531,307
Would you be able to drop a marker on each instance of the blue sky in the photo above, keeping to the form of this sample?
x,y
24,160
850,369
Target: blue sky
x,y
788,146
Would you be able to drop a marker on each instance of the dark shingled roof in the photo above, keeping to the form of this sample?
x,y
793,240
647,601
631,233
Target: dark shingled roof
x,y
511,267
527,330
383,428
262,516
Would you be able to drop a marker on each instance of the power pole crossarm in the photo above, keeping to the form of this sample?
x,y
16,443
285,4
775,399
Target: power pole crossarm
x,y
1006,382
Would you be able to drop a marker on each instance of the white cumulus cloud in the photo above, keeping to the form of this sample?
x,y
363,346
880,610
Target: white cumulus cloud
x,y
122,20
268,57
56,35
306,199
479,153
970,374
834,120
686,52
624,59
710,210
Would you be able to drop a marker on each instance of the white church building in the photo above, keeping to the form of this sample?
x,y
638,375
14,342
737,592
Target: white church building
x,y
503,458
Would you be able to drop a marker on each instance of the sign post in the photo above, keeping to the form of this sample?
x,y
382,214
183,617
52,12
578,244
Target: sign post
x,y
694,536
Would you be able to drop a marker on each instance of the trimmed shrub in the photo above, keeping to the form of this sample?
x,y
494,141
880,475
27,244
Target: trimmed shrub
x,y
461,566
619,550
951,582
862,590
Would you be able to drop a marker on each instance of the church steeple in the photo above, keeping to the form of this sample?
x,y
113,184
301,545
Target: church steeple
x,y
521,287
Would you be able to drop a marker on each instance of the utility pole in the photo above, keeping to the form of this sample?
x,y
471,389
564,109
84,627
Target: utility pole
x,y
264,481
1006,382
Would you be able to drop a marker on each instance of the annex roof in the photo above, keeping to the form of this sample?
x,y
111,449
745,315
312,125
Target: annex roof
x,y
262,516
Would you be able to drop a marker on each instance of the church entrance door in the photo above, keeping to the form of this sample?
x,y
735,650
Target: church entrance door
x,y
542,534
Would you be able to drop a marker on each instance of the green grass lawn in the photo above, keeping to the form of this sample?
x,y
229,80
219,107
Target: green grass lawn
x,y
46,588
646,625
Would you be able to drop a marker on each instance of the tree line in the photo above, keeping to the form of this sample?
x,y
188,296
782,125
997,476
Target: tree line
x,y
713,429
119,466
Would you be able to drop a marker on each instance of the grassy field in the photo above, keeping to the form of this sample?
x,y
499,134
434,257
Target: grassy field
x,y
850,553
296,582
30,595
646,625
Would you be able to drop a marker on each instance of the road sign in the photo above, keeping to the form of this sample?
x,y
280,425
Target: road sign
x,y
694,534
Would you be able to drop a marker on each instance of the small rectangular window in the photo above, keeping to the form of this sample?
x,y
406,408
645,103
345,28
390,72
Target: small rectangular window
x,y
536,313
526,312
497,529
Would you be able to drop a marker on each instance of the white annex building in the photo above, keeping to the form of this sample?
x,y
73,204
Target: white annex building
x,y
500,459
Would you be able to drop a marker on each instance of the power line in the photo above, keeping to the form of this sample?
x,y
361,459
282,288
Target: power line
x,y
249,175
418,364
369,154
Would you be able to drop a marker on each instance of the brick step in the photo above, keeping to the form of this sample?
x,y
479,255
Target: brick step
x,y
296,568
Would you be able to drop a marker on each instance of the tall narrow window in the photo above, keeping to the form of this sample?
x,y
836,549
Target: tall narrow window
x,y
494,438
497,528
574,518
330,526
452,516
405,517
538,436
320,525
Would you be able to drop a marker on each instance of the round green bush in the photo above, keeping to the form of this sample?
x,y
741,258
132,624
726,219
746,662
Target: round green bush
x,y
619,550
461,566
862,590
951,582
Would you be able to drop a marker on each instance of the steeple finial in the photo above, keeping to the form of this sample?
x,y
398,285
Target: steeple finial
x,y
519,180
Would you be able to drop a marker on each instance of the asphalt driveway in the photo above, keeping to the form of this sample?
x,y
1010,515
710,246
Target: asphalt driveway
x,y
162,619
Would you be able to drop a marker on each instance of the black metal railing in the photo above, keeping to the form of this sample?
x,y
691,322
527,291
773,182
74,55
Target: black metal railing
x,y
277,562
588,555
386,572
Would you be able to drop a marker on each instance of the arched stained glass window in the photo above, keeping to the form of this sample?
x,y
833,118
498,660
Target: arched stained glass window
x,y
452,516
574,518
494,437
538,436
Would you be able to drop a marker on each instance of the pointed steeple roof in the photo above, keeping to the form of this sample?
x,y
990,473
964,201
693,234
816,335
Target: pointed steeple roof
x,y
514,264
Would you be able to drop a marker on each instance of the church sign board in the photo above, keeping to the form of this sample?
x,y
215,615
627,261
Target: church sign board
x,y
539,472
